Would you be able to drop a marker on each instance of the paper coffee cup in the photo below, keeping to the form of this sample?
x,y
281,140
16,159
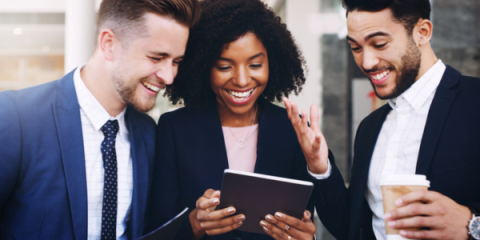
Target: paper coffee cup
x,y
395,186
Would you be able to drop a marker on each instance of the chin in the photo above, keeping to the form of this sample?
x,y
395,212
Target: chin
x,y
143,106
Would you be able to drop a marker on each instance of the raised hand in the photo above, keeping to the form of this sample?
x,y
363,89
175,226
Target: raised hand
x,y
311,139
444,218
206,220
282,226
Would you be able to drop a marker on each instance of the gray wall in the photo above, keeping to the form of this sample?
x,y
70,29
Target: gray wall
x,y
456,34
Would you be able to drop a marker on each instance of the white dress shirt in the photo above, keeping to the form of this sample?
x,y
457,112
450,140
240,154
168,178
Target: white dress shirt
x,y
93,117
398,144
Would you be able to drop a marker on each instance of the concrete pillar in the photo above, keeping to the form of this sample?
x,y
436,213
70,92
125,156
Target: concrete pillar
x,y
80,19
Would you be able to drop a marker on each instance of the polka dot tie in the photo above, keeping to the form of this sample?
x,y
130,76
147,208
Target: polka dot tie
x,y
109,155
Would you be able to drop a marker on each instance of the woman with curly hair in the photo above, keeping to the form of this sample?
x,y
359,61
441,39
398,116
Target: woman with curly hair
x,y
239,59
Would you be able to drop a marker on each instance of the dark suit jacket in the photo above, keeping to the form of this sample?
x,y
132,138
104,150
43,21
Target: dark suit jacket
x,y
449,156
191,158
43,189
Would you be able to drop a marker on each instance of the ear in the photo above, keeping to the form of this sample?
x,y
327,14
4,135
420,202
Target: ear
x,y
423,30
107,42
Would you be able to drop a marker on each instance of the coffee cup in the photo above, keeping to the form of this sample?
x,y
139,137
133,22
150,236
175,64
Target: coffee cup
x,y
395,186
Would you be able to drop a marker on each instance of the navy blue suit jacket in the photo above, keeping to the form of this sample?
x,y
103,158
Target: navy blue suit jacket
x,y
43,188
191,158
449,156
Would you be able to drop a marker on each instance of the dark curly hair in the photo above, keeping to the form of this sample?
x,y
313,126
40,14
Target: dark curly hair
x,y
223,22
407,12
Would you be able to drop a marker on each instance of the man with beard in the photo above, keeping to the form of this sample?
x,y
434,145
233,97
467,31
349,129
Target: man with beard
x,y
76,154
429,127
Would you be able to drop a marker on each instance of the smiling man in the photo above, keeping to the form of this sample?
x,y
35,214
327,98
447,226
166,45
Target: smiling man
x,y
76,154
429,127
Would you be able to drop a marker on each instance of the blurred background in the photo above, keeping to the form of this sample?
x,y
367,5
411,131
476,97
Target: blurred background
x,y
41,40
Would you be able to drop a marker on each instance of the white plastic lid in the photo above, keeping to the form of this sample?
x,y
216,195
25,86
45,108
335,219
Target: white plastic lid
x,y
405,180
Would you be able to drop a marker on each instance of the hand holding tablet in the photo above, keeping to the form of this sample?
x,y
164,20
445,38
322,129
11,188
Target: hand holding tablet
x,y
206,220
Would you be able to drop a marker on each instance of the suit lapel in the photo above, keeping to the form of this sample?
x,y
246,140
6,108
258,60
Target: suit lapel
x,y
266,162
140,173
366,147
437,115
209,122
69,130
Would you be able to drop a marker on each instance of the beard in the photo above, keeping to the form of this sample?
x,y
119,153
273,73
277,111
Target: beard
x,y
127,88
407,72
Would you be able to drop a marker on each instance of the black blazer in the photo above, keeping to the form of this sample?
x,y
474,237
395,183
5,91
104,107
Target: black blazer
x,y
191,158
449,156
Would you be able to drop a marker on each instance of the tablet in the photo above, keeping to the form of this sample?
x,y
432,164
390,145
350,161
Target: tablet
x,y
257,195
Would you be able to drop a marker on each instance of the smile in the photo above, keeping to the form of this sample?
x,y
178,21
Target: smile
x,y
381,75
380,78
240,97
150,87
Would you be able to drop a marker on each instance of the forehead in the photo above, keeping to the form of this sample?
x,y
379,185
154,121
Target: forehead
x,y
361,24
244,45
164,34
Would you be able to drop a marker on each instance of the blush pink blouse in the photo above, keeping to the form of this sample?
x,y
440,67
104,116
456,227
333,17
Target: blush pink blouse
x,y
242,159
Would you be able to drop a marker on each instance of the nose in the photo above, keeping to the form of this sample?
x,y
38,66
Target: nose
x,y
166,72
241,77
370,59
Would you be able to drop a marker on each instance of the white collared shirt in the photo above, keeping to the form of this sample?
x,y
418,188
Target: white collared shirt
x,y
93,117
398,143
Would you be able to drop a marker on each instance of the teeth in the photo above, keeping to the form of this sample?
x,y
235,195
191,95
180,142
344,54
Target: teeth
x,y
380,75
151,87
239,95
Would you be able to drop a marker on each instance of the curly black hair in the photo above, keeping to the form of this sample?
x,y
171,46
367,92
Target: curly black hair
x,y
223,22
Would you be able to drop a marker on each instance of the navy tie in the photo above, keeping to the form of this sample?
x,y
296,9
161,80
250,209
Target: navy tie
x,y
109,155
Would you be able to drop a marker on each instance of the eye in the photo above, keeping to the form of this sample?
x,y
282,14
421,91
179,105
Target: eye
x,y
380,45
177,61
223,68
256,65
356,49
155,59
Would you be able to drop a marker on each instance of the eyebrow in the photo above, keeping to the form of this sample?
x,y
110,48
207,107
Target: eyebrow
x,y
164,54
370,36
250,58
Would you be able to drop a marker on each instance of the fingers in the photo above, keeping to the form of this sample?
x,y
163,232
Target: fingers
x,y
217,231
411,210
281,226
294,222
209,193
417,196
314,118
276,231
415,222
210,199
422,234
307,216
316,143
295,117
203,215
223,224
207,203
288,106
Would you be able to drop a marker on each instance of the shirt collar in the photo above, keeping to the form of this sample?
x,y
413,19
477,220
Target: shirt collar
x,y
419,92
95,112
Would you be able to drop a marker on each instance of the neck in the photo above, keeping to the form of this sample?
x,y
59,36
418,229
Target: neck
x,y
428,60
232,119
97,76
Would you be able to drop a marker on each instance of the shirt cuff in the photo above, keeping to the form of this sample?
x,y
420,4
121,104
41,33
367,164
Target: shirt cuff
x,y
322,176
